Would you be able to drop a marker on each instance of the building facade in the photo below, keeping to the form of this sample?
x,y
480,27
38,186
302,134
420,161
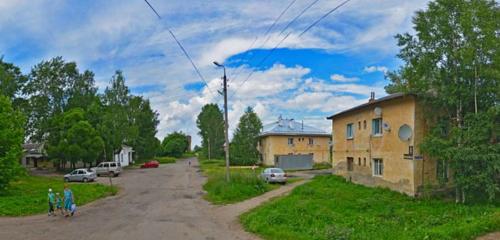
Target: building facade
x,y
125,156
292,141
376,144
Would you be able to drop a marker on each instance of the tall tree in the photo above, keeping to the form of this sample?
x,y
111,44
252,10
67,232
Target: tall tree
x,y
244,143
175,144
12,82
143,121
210,122
82,92
48,92
115,127
11,138
452,64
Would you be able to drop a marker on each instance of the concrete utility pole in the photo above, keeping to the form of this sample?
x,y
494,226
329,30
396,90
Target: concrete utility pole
x,y
226,125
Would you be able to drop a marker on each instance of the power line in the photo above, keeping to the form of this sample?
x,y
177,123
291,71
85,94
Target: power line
x,y
297,17
183,49
266,34
286,36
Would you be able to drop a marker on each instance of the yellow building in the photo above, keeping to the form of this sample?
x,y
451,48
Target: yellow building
x,y
292,145
376,144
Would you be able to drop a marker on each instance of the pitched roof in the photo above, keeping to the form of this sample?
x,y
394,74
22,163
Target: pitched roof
x,y
382,99
289,127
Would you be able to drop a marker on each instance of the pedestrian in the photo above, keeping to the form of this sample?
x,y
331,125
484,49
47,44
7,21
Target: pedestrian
x,y
51,200
59,204
68,200
189,162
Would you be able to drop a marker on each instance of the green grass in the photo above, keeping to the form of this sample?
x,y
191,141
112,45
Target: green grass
x,y
328,207
320,166
166,160
28,195
244,183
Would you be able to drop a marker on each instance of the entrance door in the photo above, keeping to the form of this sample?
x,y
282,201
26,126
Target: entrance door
x,y
350,164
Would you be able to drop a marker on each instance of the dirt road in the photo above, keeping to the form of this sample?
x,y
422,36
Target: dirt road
x,y
162,203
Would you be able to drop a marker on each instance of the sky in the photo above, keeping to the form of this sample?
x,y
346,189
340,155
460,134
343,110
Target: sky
x,y
332,67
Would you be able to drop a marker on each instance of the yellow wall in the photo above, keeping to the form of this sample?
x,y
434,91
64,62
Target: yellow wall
x,y
399,174
278,145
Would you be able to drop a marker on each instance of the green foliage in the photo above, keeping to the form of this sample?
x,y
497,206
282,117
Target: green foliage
x,y
452,64
175,144
28,195
11,138
210,122
244,183
329,207
12,82
166,160
244,144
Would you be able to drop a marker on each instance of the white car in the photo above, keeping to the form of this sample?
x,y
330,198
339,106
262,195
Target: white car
x,y
104,168
80,175
274,175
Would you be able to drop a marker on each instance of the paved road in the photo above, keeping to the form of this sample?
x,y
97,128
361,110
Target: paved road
x,y
162,203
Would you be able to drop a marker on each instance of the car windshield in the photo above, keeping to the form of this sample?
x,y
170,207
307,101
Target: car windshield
x,y
276,170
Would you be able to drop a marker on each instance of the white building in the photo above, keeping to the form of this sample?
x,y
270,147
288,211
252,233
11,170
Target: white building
x,y
124,157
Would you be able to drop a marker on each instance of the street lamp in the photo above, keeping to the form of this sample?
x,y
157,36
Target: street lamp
x,y
226,125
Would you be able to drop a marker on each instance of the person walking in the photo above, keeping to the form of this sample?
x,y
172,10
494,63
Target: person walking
x,y
51,199
59,207
68,200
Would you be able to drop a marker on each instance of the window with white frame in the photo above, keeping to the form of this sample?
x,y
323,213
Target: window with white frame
x,y
349,131
377,126
290,141
378,167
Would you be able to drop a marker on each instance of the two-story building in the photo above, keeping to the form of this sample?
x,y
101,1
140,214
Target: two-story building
x,y
293,145
377,144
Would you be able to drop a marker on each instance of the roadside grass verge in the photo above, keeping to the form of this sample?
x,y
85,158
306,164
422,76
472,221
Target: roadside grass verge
x,y
165,160
328,207
244,183
28,195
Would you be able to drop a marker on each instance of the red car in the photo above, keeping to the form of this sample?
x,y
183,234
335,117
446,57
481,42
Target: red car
x,y
150,164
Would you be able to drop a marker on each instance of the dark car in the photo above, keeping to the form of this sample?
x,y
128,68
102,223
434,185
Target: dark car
x,y
150,164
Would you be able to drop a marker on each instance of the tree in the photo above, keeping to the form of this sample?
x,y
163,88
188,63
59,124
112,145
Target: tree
x,y
48,91
245,138
452,65
82,92
12,82
210,122
144,121
175,144
11,139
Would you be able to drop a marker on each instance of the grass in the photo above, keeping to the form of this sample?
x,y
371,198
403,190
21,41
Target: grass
x,y
244,183
328,207
320,166
165,160
28,195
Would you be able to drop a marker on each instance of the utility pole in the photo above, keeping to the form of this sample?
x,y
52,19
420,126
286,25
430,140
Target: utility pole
x,y
226,121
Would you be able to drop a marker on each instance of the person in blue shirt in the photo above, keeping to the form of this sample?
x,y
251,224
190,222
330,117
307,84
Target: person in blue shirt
x,y
68,200
51,199
59,207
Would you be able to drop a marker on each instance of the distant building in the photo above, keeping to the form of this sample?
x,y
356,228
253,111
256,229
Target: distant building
x,y
125,156
293,145
34,156
376,144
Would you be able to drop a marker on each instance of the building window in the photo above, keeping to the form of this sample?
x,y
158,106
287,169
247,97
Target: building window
x,y
359,125
290,141
442,171
364,124
349,131
359,161
311,141
350,164
378,167
364,161
377,126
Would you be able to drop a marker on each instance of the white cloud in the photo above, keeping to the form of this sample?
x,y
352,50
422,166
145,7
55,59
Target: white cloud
x,y
370,69
342,78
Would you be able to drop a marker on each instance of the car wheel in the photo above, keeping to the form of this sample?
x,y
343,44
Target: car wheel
x,y
117,174
98,175
66,179
85,180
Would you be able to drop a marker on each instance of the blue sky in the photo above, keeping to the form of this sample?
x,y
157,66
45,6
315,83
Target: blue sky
x,y
330,68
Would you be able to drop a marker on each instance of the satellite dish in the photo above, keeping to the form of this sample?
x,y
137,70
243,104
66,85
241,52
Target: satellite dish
x,y
386,126
405,132
377,111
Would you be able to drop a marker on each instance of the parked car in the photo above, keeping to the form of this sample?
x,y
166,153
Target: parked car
x,y
111,168
80,175
150,164
274,175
